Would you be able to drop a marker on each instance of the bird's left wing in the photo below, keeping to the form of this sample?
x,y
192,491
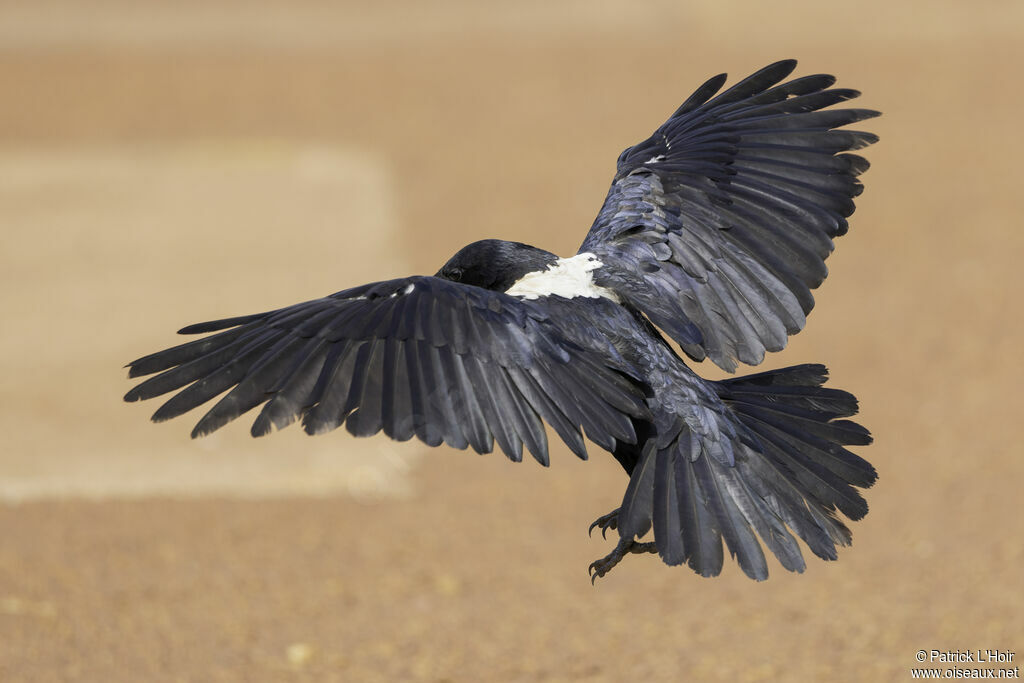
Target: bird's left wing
x,y
418,356
717,226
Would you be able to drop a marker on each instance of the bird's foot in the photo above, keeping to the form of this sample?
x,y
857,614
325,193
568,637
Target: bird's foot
x,y
601,567
606,522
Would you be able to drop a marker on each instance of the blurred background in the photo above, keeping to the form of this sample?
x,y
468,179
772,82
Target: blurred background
x,y
164,163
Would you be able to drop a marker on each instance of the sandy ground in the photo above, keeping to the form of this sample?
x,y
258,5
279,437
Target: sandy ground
x,y
168,163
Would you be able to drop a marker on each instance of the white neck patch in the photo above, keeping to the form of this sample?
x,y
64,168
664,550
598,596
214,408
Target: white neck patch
x,y
566,277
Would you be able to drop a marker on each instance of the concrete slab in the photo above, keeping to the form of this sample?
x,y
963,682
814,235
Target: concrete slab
x,y
108,250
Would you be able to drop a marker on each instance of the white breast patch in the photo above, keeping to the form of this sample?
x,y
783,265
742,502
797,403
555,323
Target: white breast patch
x,y
566,277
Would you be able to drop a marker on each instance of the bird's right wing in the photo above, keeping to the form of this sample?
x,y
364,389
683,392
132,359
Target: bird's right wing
x,y
717,227
418,356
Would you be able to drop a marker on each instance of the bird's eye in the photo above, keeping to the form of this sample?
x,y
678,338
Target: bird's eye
x,y
455,274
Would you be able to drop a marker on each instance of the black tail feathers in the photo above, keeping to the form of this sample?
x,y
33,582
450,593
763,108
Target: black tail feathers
x,y
798,466
797,422
792,473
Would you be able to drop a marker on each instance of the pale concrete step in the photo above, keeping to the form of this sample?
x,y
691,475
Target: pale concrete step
x,y
106,251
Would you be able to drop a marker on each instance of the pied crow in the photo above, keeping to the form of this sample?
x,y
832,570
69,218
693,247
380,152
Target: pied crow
x,y
714,232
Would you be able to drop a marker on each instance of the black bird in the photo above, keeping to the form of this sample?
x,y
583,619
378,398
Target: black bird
x,y
715,231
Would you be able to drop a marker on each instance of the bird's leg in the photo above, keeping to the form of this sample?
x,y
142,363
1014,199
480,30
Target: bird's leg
x,y
606,522
604,565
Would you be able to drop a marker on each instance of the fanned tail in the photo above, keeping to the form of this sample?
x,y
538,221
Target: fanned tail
x,y
792,474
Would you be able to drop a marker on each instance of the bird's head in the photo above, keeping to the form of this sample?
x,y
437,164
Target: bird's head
x,y
494,264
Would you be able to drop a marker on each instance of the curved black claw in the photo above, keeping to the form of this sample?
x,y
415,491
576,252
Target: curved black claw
x,y
606,522
599,568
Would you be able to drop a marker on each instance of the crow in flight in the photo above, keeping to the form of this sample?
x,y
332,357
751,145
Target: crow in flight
x,y
714,232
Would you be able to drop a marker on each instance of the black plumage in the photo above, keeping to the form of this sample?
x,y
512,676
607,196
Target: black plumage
x,y
446,362
730,209
715,231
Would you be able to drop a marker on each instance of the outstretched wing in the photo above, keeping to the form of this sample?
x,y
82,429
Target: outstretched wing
x,y
418,356
717,226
